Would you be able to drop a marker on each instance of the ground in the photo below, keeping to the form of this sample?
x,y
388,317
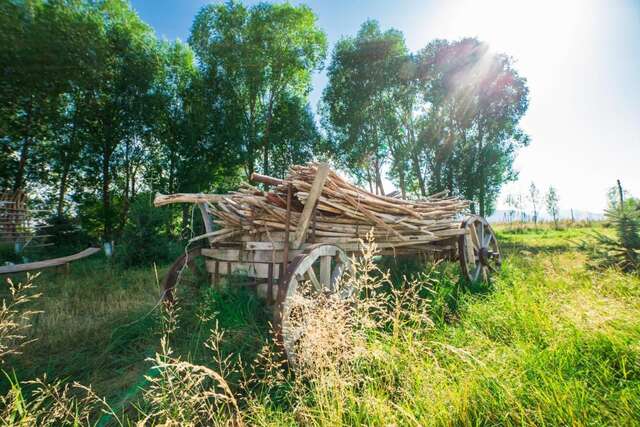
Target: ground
x,y
549,342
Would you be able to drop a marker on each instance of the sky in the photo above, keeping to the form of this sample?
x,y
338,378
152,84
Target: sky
x,y
581,59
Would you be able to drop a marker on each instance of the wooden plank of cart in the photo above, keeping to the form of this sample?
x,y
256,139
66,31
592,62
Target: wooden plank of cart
x,y
306,227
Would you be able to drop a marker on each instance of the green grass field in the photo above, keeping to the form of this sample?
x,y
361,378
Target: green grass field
x,y
548,343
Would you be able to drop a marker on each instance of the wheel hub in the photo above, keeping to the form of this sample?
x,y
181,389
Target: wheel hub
x,y
484,255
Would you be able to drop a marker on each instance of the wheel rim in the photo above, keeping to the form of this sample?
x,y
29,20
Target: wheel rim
x,y
479,252
185,275
319,271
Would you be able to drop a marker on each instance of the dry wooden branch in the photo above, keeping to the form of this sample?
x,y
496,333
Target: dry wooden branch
x,y
336,210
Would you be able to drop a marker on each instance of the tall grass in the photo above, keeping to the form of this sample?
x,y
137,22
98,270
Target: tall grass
x,y
549,343
16,316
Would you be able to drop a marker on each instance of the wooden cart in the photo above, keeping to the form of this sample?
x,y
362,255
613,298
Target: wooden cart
x,y
297,243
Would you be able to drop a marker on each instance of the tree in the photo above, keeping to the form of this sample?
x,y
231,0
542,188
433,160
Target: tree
x,y
254,59
119,99
474,100
445,118
48,52
361,106
295,130
552,203
512,201
616,193
623,250
534,198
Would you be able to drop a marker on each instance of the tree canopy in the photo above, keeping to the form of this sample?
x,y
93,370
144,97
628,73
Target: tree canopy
x,y
444,118
260,59
96,110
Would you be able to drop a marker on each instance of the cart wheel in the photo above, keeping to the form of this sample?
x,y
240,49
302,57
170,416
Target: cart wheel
x,y
321,268
189,271
478,250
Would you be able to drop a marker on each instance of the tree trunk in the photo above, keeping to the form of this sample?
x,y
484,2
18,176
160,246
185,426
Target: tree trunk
x,y
68,157
399,163
482,189
172,173
437,175
621,194
265,160
415,160
378,176
134,172
106,196
450,180
249,166
185,216
63,186
267,133
416,171
402,183
24,153
125,201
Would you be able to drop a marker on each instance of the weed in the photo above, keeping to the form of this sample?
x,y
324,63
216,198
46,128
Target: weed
x,y
549,343
15,318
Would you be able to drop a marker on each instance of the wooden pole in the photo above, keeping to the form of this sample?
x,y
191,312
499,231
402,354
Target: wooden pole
x,y
621,196
285,254
310,204
264,179
166,199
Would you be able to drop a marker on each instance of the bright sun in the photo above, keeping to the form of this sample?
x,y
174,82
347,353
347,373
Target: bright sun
x,y
519,28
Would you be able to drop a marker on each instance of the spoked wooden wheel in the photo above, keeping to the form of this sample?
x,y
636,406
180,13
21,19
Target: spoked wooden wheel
x,y
309,276
185,276
478,250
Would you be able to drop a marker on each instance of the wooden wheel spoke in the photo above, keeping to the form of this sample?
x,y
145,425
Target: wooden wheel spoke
x,y
471,250
478,249
325,272
476,272
184,272
311,274
487,240
474,236
336,274
323,266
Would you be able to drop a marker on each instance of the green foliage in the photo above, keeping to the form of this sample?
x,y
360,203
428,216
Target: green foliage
x,y
552,201
257,59
534,198
66,234
8,253
143,240
551,344
621,251
446,118
362,102
96,109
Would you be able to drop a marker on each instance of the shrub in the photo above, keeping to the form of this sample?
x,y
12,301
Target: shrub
x,y
15,320
66,234
143,240
622,251
8,253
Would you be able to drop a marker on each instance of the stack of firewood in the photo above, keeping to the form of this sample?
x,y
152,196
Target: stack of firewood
x,y
343,212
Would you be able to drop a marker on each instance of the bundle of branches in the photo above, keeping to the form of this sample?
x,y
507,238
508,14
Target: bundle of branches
x,y
344,212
